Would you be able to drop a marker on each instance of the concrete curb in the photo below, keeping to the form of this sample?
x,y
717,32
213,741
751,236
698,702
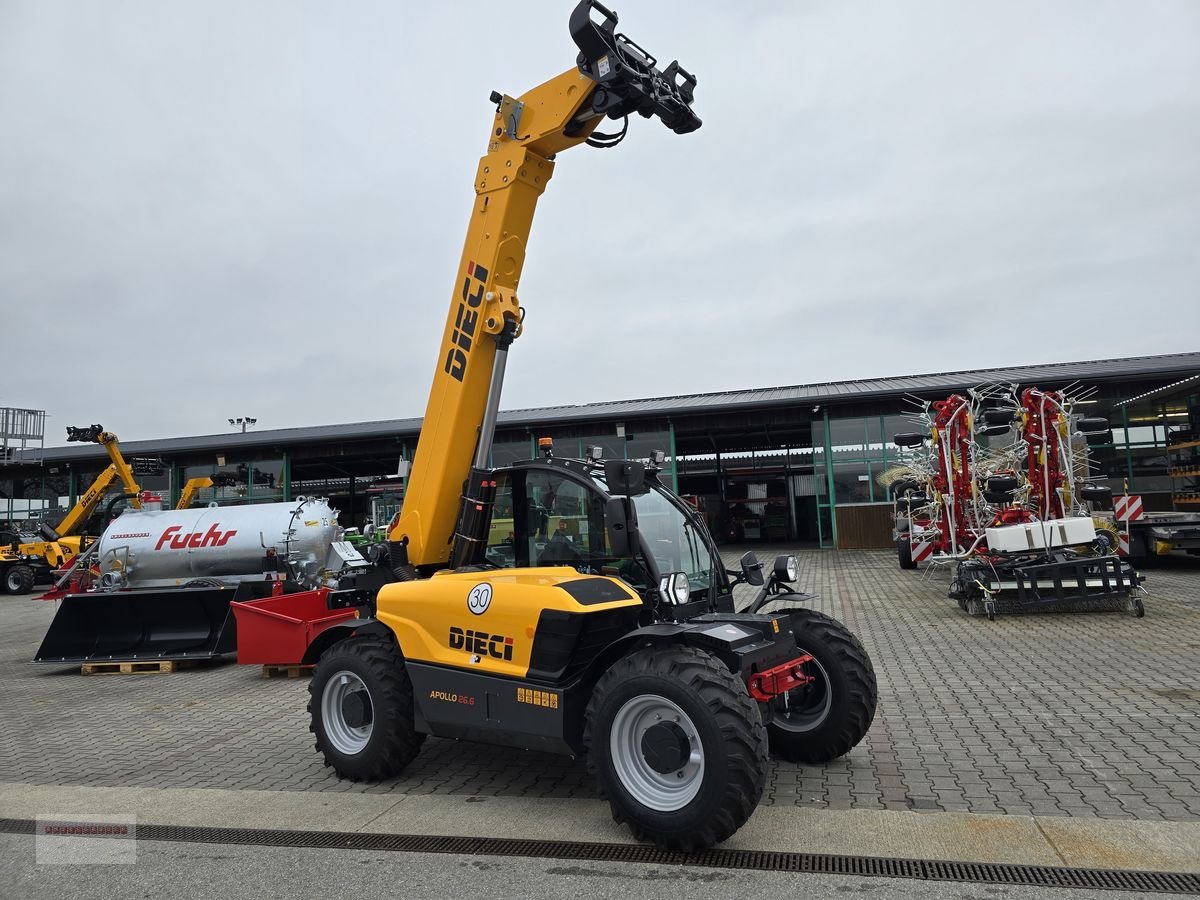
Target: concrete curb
x,y
965,837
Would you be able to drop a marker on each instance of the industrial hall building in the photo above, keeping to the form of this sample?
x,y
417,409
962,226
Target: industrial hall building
x,y
795,464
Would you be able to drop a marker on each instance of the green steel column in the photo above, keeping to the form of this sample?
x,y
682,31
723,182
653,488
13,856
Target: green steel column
x,y
72,486
674,462
884,441
287,477
173,485
829,478
1128,449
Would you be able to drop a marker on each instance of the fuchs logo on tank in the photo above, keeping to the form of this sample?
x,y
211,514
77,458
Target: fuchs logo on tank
x,y
466,320
194,540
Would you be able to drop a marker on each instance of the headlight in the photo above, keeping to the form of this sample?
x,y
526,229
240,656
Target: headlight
x,y
674,588
786,568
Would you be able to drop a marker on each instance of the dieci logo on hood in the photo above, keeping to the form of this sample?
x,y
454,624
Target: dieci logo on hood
x,y
496,646
214,537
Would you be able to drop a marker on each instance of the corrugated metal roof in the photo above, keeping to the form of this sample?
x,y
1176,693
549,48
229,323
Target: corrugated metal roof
x,y
1088,371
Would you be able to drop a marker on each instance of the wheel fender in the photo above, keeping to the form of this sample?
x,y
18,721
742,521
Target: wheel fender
x,y
656,635
337,633
685,633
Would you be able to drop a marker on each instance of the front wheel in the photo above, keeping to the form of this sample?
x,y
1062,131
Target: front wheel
x,y
362,709
18,580
828,717
676,746
904,552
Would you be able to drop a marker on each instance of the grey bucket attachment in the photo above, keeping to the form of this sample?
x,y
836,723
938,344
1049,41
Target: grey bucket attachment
x,y
175,623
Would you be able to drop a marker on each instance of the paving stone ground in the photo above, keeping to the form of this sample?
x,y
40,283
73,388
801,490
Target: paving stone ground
x,y
1084,714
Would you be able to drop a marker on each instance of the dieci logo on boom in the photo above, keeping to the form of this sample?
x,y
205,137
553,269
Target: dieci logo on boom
x,y
496,646
466,320
214,537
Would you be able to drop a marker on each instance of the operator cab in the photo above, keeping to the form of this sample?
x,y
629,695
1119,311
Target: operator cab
x,y
621,523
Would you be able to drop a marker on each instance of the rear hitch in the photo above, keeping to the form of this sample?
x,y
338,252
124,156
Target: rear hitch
x,y
765,686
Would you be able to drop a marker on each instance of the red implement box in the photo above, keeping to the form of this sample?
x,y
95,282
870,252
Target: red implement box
x,y
275,631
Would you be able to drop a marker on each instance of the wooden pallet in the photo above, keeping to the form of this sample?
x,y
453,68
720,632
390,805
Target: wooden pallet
x,y
285,671
136,667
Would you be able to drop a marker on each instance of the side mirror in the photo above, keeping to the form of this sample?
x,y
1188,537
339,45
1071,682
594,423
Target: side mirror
x,y
621,521
752,568
909,439
625,476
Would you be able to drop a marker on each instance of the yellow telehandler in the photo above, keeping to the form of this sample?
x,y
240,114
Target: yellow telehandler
x,y
576,606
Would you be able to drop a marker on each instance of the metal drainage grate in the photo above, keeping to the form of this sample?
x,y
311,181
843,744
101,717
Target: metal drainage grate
x,y
762,860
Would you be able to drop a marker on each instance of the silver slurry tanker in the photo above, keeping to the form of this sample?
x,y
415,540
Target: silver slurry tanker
x,y
152,548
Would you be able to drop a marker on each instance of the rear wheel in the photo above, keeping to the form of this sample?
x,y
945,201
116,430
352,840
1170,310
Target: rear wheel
x,y
362,711
18,580
828,717
904,552
677,747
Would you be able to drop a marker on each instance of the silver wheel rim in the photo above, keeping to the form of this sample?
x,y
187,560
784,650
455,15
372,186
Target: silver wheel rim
x,y
797,711
663,792
344,737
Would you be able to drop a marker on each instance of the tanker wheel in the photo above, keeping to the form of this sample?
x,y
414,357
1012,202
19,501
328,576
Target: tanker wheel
x,y
827,717
677,747
904,551
362,709
18,580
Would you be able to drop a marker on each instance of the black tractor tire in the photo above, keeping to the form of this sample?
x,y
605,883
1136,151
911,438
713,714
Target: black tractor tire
x,y
728,735
392,740
904,552
827,718
18,580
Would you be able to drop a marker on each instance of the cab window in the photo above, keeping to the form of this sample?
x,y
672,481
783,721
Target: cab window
x,y
502,537
542,518
564,523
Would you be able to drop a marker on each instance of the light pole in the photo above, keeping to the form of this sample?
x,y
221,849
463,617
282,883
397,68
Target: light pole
x,y
243,421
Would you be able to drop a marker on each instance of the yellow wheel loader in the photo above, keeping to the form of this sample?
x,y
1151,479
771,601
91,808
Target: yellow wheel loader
x,y
575,606
24,562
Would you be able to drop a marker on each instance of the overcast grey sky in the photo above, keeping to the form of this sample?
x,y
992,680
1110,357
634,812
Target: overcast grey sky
x,y
213,209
